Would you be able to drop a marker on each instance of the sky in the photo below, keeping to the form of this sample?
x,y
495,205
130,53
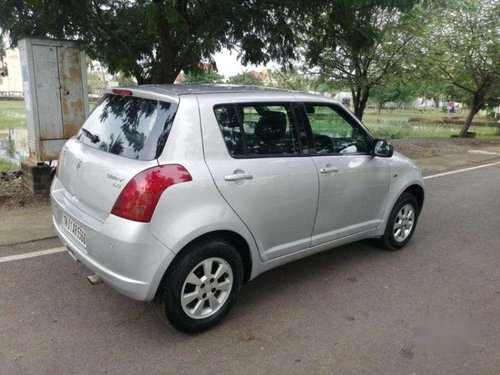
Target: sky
x,y
228,64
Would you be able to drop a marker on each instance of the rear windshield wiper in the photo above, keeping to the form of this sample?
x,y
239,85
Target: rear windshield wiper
x,y
93,138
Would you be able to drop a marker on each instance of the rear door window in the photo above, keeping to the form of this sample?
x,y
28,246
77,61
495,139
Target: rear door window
x,y
129,126
258,129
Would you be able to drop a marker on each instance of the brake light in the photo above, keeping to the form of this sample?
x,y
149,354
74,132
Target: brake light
x,y
139,198
122,92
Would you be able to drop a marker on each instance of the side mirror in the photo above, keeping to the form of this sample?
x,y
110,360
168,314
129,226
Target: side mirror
x,y
382,148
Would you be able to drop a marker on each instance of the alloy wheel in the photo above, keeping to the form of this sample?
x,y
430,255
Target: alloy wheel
x,y
403,224
206,288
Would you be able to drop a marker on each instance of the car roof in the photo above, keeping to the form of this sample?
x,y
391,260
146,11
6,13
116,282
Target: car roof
x,y
186,89
173,92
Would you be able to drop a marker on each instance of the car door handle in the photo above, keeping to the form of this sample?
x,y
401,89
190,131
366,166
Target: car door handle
x,y
329,169
238,177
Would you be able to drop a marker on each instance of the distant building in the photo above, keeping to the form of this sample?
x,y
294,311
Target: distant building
x,y
11,83
262,75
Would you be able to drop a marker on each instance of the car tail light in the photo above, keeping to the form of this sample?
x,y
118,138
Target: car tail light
x,y
139,198
122,92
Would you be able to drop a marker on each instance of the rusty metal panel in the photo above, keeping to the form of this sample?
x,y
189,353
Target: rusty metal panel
x,y
48,93
72,100
55,91
50,149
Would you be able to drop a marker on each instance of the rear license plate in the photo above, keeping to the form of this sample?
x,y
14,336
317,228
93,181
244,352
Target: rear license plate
x,y
75,230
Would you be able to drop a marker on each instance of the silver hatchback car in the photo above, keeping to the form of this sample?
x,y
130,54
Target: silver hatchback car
x,y
180,194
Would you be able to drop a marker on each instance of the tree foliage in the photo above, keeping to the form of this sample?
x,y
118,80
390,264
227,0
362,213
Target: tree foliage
x,y
373,47
462,49
361,45
246,78
153,40
290,79
95,83
203,76
396,89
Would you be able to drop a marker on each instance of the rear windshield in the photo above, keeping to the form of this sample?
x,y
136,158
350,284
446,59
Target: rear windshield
x,y
129,126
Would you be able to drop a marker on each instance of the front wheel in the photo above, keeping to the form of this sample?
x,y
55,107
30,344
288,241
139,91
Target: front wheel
x,y
201,286
401,223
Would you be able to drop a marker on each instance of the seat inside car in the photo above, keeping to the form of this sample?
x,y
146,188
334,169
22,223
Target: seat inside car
x,y
270,130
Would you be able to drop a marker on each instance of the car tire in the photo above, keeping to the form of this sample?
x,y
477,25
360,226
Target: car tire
x,y
401,223
192,296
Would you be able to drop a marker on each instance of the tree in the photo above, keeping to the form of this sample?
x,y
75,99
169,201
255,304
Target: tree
x,y
290,78
124,80
203,76
153,40
361,44
429,88
246,78
396,89
462,48
95,83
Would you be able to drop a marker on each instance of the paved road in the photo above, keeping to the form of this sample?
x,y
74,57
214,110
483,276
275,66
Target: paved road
x,y
433,308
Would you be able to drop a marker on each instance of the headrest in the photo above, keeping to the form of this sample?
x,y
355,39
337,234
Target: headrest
x,y
271,125
228,117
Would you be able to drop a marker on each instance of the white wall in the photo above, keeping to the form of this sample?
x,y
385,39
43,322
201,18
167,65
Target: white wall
x,y
13,81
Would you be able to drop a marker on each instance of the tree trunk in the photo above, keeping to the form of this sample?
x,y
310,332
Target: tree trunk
x,y
477,102
359,100
140,78
473,111
363,99
166,71
355,98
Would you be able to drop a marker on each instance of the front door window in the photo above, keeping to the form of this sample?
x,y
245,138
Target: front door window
x,y
333,132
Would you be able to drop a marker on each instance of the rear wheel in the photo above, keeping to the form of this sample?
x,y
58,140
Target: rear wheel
x,y
201,286
401,223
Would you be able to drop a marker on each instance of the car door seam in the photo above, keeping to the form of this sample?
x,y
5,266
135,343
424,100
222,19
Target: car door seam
x,y
317,200
215,184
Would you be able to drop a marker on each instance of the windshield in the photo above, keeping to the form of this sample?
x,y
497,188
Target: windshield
x,y
129,126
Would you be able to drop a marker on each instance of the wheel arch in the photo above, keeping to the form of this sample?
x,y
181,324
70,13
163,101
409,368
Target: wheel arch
x,y
235,239
418,192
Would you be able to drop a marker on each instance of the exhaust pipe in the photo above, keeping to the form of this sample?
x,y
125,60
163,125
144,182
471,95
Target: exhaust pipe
x,y
94,279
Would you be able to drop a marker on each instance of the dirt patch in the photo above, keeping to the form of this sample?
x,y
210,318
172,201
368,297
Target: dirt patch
x,y
421,148
13,193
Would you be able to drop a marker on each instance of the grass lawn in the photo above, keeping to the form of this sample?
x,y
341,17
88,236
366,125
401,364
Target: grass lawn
x,y
429,131
434,114
6,165
12,114
395,124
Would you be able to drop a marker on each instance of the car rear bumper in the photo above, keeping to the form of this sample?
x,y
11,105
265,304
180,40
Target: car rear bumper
x,y
123,253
